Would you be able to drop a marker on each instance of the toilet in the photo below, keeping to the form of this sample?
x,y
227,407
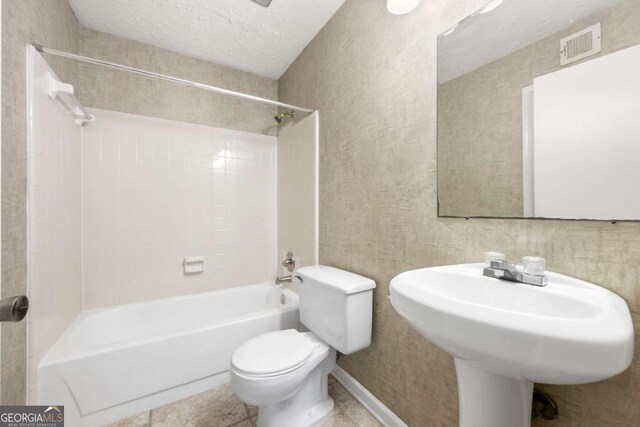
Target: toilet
x,y
284,373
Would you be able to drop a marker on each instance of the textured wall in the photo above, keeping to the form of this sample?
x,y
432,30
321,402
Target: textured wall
x,y
372,76
52,24
480,119
110,89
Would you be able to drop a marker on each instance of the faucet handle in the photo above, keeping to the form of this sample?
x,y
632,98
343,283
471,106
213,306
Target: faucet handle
x,y
493,256
289,262
533,265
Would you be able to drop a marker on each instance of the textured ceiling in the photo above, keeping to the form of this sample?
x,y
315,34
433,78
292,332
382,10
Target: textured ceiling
x,y
482,39
238,33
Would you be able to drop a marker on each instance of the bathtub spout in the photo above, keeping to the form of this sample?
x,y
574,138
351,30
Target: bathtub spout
x,y
287,279
284,279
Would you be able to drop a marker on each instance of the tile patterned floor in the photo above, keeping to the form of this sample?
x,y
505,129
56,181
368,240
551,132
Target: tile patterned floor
x,y
221,408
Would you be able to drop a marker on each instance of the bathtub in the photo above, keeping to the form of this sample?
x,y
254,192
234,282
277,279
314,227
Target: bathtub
x,y
118,361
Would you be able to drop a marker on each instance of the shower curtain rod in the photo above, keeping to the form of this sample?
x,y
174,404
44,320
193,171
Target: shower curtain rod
x,y
146,73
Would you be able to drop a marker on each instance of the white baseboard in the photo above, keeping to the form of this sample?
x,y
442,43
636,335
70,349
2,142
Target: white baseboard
x,y
368,400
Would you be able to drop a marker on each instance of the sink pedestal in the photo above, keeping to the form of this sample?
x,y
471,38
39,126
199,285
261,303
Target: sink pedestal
x,y
490,400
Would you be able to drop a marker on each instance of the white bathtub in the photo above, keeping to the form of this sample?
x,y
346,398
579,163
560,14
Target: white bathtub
x,y
115,362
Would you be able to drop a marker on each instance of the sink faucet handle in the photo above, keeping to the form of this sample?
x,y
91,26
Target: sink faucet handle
x,y
493,256
533,265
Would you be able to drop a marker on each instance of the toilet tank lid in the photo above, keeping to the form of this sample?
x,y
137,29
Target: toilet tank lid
x,y
338,280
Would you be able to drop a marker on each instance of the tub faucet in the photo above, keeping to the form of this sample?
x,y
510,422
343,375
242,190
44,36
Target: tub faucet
x,y
287,279
506,270
290,264
284,279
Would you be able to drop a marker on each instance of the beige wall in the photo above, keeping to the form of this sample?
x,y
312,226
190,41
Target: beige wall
x,y
50,23
373,78
480,118
110,89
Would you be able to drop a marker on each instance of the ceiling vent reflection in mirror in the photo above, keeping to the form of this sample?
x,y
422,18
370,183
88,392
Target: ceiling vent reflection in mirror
x,y
581,45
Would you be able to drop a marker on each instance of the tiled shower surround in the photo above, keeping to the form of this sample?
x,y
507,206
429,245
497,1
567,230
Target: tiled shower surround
x,y
156,191
54,215
298,191
116,206
53,24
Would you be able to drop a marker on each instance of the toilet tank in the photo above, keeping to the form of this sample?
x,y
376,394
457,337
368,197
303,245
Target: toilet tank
x,y
337,306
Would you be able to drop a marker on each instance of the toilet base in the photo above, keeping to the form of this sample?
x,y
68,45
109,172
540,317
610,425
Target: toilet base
x,y
309,406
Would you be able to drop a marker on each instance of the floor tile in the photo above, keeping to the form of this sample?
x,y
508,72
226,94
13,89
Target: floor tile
x,y
332,379
338,419
350,406
140,420
252,410
219,407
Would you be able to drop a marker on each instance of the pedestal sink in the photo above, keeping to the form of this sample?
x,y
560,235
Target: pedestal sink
x,y
504,336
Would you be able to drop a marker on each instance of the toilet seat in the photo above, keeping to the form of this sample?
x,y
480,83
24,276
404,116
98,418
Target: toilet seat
x,y
273,354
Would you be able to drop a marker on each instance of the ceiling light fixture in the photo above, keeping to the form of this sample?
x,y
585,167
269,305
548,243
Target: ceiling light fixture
x,y
400,7
489,7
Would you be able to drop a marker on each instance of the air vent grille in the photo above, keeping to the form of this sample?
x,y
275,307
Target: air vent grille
x,y
581,45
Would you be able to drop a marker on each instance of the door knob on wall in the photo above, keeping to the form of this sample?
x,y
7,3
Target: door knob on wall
x,y
14,309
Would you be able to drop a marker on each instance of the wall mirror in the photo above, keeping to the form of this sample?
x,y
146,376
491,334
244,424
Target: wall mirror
x,y
539,111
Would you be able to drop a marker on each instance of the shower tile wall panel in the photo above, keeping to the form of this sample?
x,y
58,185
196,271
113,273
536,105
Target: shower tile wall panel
x,y
298,191
156,191
54,228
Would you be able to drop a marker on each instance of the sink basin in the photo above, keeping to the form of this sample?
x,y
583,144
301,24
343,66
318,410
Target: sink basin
x,y
504,336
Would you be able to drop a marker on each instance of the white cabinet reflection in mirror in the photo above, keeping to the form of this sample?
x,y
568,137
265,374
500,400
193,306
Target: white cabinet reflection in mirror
x,y
586,149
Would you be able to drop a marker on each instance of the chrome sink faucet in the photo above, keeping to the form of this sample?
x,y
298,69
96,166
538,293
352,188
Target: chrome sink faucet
x,y
505,270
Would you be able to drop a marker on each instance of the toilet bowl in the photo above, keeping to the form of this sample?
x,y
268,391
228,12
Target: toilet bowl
x,y
285,373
